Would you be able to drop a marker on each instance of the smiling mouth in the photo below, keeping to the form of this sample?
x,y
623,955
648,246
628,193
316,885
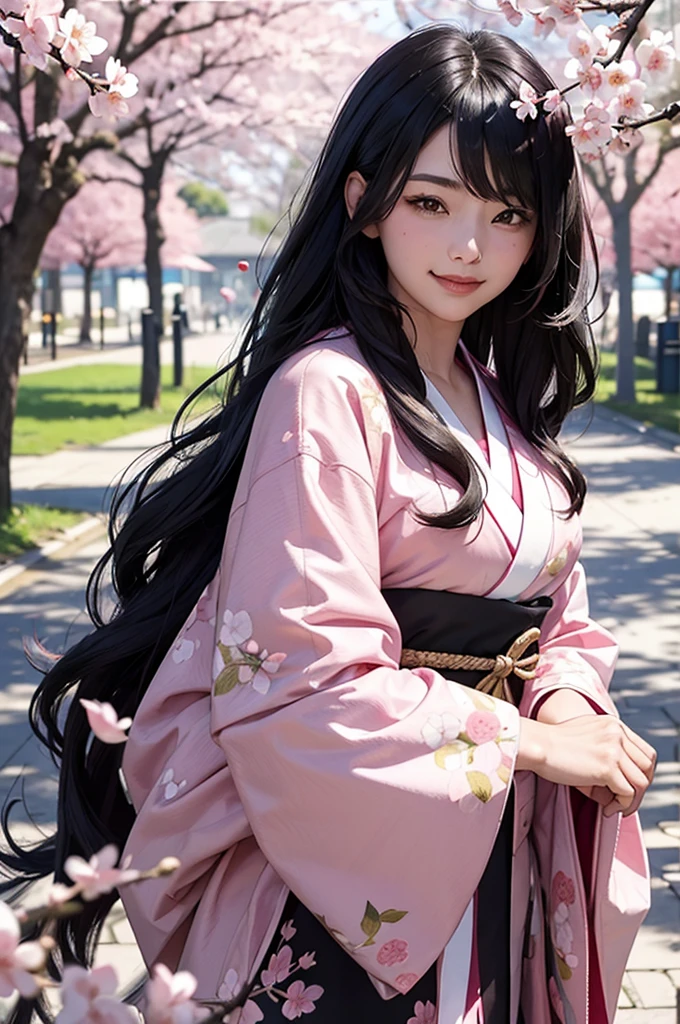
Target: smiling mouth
x,y
456,280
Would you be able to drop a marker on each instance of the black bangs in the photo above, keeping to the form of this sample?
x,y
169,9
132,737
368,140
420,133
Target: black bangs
x,y
501,158
492,151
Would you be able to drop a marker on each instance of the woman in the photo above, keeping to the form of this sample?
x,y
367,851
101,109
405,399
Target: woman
x,y
364,834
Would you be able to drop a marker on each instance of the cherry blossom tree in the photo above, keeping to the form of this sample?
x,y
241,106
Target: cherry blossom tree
x,y
56,118
104,227
231,88
655,226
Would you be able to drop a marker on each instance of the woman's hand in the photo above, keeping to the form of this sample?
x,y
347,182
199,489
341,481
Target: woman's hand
x,y
598,754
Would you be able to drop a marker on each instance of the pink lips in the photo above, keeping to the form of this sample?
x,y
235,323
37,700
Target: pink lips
x,y
457,285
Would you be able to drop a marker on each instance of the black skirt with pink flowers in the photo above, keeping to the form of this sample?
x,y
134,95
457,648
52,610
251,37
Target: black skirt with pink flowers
x,y
305,971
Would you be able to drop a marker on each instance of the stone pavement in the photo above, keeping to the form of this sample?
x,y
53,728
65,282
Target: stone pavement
x,y
632,554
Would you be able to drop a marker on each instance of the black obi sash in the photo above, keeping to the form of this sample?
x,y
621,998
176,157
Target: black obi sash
x,y
448,623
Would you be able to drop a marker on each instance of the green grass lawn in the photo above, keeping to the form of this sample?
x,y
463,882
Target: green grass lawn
x,y
29,525
650,407
85,405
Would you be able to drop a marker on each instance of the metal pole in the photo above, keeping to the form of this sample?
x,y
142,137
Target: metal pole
x,y
101,327
53,332
177,349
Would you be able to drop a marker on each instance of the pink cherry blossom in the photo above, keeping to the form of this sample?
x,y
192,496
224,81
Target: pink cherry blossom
x,y
423,1013
583,45
112,103
405,981
279,967
626,140
590,79
486,758
307,960
168,997
441,729
615,77
98,876
237,628
104,722
563,889
482,726
120,79
88,997
393,952
526,104
38,28
629,102
552,100
59,893
288,930
588,136
17,959
249,1013
656,54
80,40
229,986
566,16
182,650
562,930
269,665
511,13
300,999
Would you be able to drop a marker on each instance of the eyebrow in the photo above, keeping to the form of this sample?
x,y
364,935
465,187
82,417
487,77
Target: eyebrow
x,y
457,186
435,179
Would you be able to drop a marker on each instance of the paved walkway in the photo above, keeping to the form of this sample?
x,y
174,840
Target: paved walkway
x,y
632,554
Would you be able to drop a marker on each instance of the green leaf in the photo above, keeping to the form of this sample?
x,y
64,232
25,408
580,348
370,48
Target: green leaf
x,y
503,773
226,654
227,680
564,969
392,916
370,924
480,784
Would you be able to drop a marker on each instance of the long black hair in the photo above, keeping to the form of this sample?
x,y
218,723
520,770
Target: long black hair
x,y
167,525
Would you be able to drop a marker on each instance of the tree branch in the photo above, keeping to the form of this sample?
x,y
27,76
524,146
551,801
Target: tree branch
x,y
669,113
23,131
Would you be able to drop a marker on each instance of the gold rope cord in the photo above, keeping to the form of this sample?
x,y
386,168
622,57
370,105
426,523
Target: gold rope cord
x,y
498,668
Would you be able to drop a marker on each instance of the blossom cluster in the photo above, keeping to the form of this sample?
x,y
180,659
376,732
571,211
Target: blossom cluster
x,y
42,33
89,996
613,91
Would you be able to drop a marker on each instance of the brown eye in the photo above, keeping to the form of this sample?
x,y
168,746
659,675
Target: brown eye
x,y
506,218
428,204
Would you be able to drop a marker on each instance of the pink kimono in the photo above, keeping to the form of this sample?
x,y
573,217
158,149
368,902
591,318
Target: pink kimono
x,y
281,747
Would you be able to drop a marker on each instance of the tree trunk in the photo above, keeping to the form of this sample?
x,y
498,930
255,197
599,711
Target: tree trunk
x,y
43,190
86,322
17,292
151,382
625,349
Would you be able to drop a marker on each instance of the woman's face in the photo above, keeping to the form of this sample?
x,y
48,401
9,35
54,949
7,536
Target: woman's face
x,y
438,230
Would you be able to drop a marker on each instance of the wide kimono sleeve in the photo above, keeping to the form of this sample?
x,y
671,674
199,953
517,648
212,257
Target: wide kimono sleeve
x,y
576,652
375,792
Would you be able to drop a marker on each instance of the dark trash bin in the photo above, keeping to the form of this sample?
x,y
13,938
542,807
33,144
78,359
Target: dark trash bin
x,y
668,356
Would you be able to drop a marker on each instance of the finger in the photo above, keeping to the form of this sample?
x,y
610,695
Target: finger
x,y
601,795
620,786
613,807
639,758
646,748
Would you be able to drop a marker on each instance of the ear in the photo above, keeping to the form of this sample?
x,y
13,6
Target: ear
x,y
355,186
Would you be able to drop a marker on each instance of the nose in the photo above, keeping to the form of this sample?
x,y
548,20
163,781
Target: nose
x,y
463,242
